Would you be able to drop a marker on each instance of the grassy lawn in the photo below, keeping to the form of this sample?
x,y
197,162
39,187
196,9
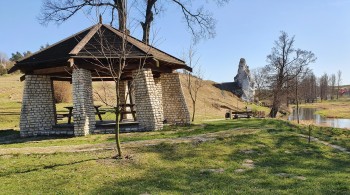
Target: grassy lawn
x,y
273,159
332,108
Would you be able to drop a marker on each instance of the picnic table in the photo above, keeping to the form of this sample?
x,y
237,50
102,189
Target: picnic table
x,y
70,113
124,111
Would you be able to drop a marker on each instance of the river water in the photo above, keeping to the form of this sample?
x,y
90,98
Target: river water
x,y
309,114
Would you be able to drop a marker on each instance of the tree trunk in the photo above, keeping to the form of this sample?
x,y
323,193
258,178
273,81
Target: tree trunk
x,y
275,106
296,97
121,7
117,125
146,26
194,109
117,131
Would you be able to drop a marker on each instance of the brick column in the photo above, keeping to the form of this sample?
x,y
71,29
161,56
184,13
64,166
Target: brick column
x,y
38,108
147,103
84,111
158,84
174,105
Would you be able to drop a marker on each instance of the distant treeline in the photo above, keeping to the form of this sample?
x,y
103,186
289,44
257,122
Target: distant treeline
x,y
7,63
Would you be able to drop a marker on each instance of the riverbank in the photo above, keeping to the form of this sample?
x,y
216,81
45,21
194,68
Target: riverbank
x,y
331,108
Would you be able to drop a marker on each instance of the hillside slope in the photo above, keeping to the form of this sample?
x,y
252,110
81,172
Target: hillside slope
x,y
212,102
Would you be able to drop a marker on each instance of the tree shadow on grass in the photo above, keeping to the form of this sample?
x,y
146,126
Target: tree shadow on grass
x,y
8,132
192,179
51,166
13,137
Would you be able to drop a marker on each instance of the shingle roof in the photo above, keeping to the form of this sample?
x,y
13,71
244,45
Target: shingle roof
x,y
90,43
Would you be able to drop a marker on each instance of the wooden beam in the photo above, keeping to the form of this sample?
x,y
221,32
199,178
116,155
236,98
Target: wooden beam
x,y
46,71
22,78
95,79
86,39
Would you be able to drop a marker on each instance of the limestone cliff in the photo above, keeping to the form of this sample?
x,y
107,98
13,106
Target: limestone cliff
x,y
245,82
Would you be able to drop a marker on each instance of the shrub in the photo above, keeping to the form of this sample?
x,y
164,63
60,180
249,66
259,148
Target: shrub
x,y
62,91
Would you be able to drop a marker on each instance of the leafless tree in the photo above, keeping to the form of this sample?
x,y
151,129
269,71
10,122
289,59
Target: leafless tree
x,y
308,88
324,80
260,78
339,79
3,59
200,21
333,83
59,11
194,79
284,64
3,63
113,64
300,74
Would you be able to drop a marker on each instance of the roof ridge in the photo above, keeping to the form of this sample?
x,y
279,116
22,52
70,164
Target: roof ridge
x,y
135,39
49,47
116,31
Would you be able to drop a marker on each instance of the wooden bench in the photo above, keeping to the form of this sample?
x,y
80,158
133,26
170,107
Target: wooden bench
x,y
246,114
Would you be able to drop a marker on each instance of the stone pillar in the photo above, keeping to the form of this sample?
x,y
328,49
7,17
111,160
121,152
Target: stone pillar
x,y
158,84
84,111
147,103
38,112
174,105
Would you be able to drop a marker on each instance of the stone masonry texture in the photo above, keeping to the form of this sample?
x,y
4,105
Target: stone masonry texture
x,y
84,111
38,108
148,106
174,104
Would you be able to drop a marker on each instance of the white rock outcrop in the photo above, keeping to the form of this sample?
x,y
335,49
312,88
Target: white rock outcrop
x,y
245,81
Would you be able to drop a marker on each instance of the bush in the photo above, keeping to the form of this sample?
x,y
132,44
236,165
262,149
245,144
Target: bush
x,y
62,91
2,70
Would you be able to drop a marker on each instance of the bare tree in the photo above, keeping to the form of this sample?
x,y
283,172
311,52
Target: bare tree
x,y
194,79
324,86
200,21
308,87
284,64
113,64
260,78
59,11
3,59
3,63
332,82
339,79
300,74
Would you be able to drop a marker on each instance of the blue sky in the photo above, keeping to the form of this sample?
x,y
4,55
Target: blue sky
x,y
245,28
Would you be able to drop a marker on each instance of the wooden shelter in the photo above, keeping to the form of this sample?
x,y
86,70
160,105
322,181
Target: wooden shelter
x,y
85,57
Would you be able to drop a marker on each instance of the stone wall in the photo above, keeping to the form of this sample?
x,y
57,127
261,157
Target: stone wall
x,y
149,114
84,111
38,112
174,105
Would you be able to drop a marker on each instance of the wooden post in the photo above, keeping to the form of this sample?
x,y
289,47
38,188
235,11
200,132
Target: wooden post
x,y
309,133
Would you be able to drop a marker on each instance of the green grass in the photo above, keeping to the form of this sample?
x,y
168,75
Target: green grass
x,y
284,163
332,135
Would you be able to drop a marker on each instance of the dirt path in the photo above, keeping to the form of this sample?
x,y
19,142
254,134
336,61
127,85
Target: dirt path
x,y
135,144
132,144
314,139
